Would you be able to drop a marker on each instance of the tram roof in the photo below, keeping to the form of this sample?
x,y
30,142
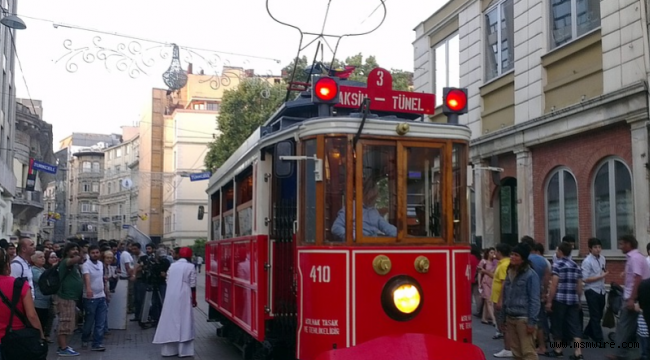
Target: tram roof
x,y
262,137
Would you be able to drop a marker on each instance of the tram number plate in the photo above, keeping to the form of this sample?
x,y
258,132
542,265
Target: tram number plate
x,y
320,274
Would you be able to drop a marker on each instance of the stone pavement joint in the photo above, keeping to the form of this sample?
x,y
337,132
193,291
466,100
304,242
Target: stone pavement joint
x,y
136,343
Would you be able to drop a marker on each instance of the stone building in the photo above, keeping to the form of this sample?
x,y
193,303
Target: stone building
x,y
558,99
33,141
118,201
49,216
85,173
67,147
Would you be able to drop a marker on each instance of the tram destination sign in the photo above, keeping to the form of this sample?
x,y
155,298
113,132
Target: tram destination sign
x,y
384,98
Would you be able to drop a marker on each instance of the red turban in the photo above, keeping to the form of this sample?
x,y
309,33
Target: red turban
x,y
185,253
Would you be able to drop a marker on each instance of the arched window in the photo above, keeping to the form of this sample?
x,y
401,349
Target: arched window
x,y
613,202
561,208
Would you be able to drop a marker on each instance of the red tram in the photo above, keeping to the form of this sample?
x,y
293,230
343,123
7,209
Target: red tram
x,y
294,264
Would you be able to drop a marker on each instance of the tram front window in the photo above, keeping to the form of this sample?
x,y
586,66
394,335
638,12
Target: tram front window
x,y
378,195
424,216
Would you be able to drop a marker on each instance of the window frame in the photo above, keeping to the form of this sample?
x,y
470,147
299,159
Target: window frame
x,y
611,161
574,26
445,42
560,171
500,72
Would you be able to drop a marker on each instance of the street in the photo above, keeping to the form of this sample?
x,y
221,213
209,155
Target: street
x,y
136,343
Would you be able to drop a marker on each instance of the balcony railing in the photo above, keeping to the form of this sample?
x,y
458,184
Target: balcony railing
x,y
31,198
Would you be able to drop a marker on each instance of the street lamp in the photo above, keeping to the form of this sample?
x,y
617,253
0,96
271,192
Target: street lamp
x,y
12,21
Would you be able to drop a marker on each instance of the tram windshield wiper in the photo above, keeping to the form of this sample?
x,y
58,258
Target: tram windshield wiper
x,y
364,110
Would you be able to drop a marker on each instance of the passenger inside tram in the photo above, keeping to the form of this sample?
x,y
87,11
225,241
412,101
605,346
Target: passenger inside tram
x,y
374,223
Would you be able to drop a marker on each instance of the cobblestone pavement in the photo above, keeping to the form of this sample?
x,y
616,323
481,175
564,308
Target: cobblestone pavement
x,y
135,343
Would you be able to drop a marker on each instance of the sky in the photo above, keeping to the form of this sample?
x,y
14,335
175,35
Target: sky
x,y
99,98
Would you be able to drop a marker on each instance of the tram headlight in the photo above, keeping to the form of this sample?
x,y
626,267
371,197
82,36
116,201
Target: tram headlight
x,y
402,298
406,298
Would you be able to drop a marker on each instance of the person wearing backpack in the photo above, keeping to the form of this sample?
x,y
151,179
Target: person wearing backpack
x,y
24,308
20,264
69,291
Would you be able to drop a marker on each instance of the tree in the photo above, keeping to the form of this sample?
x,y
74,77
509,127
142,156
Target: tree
x,y
198,249
243,110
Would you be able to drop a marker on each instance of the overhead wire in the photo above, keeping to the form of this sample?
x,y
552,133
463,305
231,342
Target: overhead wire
x,y
139,38
20,65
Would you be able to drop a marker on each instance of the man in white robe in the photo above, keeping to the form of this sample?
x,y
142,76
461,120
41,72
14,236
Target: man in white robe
x,y
176,326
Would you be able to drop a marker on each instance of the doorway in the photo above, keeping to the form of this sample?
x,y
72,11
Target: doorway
x,y
508,211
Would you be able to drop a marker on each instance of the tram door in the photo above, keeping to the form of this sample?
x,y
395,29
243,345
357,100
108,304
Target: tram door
x,y
284,213
508,211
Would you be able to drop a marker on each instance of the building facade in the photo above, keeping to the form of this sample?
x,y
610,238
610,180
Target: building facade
x,y
49,216
85,173
118,201
7,127
67,147
558,100
175,131
33,141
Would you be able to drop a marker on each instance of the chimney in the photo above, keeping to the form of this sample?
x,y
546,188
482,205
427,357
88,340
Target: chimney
x,y
189,68
249,72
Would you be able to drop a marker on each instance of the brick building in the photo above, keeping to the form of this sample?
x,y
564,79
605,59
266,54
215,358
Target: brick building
x,y
558,99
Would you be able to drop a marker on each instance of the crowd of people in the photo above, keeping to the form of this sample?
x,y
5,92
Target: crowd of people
x,y
89,276
535,304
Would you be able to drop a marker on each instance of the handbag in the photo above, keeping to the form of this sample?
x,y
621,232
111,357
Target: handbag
x,y
23,344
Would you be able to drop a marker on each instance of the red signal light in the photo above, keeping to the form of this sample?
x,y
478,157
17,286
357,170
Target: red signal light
x,y
456,100
326,89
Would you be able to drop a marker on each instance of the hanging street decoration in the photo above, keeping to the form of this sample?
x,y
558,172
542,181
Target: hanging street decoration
x,y
175,77
135,59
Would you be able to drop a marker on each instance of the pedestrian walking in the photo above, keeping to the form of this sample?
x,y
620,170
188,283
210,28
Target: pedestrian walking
x,y
94,301
636,270
593,274
176,326
521,292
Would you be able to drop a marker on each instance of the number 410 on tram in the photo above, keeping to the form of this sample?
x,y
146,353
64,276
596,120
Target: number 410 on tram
x,y
339,229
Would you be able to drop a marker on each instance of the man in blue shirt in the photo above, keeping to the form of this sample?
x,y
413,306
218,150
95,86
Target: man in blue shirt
x,y
373,223
564,300
543,271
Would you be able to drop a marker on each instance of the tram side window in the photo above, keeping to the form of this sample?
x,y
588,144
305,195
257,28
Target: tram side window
x,y
378,193
424,213
309,194
459,193
216,216
228,212
245,204
335,185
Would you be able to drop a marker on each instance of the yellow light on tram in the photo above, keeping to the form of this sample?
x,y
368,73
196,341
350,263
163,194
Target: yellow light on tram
x,y
406,298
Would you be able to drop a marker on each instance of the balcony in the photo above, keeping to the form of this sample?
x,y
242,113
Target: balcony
x,y
27,204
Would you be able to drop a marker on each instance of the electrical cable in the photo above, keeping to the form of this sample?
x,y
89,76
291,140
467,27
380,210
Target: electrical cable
x,y
20,65
77,27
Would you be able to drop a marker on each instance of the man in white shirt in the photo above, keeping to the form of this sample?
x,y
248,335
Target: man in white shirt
x,y
593,274
94,300
20,264
127,272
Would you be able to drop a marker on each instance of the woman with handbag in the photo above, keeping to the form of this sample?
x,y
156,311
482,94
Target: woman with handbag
x,y
19,324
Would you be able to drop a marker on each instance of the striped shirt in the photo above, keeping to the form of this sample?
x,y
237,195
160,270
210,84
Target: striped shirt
x,y
567,288
642,328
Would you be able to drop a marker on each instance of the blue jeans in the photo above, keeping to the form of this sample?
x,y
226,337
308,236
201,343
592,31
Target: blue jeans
x,y
96,311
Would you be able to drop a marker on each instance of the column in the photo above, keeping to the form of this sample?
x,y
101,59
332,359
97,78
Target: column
x,y
484,212
640,188
524,192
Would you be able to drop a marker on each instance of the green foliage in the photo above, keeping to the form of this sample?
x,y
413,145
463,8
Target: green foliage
x,y
401,79
243,110
199,247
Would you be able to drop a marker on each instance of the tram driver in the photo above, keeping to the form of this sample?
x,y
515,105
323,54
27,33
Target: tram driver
x,y
373,223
